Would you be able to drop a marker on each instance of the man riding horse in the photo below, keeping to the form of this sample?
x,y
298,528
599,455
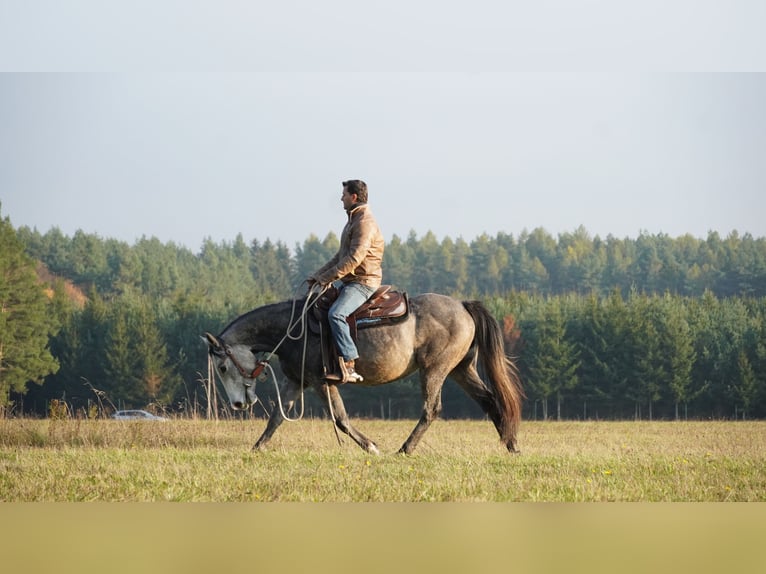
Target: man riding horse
x,y
438,337
358,267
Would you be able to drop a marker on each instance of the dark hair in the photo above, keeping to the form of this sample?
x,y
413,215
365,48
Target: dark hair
x,y
358,187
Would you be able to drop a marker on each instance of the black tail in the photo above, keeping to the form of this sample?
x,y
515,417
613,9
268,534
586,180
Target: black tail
x,y
502,375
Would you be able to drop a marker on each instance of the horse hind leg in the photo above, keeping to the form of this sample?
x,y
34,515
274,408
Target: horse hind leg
x,y
468,379
334,404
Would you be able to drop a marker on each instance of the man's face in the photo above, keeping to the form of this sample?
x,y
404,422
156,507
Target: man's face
x,y
348,199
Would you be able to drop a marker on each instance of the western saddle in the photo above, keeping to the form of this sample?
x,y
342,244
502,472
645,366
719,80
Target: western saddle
x,y
384,307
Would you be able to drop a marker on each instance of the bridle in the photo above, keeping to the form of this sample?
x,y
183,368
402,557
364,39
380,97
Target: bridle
x,y
260,365
254,374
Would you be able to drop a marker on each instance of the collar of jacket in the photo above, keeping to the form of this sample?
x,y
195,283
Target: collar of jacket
x,y
355,207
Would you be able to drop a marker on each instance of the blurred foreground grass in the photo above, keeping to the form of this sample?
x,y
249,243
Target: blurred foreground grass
x,y
196,460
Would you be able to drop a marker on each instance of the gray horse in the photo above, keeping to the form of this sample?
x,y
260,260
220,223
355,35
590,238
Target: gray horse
x,y
441,338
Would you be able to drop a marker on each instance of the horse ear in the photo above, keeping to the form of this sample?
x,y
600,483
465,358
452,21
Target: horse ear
x,y
214,343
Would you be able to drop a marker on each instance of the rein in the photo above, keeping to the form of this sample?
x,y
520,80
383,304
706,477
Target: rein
x,y
262,364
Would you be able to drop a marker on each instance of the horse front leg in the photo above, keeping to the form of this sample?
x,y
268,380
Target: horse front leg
x,y
291,391
334,404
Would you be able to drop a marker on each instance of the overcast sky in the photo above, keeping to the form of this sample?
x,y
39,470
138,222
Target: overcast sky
x,y
192,120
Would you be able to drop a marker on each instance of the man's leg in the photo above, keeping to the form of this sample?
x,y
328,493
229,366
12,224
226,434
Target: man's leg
x,y
351,297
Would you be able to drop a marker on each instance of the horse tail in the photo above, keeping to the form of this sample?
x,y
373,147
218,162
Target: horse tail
x,y
499,370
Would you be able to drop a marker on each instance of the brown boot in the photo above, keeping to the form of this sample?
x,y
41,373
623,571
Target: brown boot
x,y
349,374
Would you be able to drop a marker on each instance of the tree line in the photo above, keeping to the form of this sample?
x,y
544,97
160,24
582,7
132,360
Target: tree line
x,y
734,266
652,327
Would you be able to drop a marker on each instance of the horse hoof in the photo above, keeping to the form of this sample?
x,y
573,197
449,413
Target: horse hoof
x,y
372,449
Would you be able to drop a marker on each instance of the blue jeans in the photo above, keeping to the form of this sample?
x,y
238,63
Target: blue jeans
x,y
351,297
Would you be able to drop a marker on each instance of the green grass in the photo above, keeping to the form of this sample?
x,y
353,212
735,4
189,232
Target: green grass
x,y
187,460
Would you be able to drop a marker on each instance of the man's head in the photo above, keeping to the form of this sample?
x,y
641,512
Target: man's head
x,y
356,187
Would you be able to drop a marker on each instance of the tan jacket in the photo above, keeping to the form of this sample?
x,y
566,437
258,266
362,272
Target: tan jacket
x,y
360,255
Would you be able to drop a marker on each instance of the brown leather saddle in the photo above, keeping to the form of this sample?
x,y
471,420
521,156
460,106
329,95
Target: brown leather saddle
x,y
384,307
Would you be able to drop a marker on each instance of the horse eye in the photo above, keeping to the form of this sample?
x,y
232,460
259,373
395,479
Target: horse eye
x,y
222,368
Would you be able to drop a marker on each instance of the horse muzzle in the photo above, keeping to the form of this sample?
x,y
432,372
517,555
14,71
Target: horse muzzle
x,y
245,400
242,406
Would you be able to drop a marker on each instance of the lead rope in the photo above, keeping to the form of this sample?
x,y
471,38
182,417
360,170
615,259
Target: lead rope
x,y
303,333
288,335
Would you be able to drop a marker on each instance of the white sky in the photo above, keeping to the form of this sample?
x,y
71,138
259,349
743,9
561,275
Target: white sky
x,y
186,120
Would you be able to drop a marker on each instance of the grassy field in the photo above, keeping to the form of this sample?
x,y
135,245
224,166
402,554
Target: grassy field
x,y
195,460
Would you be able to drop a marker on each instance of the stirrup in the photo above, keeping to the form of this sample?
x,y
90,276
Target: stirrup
x,y
333,377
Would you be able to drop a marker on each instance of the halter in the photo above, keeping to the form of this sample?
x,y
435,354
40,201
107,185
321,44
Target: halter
x,y
264,364
257,370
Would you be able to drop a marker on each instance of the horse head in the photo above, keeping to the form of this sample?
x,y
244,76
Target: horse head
x,y
232,363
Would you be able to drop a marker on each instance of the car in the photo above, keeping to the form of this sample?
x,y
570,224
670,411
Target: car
x,y
136,415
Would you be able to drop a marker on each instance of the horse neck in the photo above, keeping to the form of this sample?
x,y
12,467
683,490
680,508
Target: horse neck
x,y
262,328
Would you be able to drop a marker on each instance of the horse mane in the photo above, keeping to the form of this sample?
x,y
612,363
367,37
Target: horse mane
x,y
250,315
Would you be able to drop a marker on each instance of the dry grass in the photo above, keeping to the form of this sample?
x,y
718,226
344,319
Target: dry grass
x,y
186,460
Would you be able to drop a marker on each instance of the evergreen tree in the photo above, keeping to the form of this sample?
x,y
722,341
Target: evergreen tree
x,y
425,251
677,352
445,276
551,360
597,336
727,324
746,387
69,383
617,355
121,381
645,363
272,269
157,381
399,264
619,259
85,340
580,264
312,255
25,324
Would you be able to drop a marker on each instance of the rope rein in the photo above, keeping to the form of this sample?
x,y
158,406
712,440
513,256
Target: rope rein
x,y
303,333
265,363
